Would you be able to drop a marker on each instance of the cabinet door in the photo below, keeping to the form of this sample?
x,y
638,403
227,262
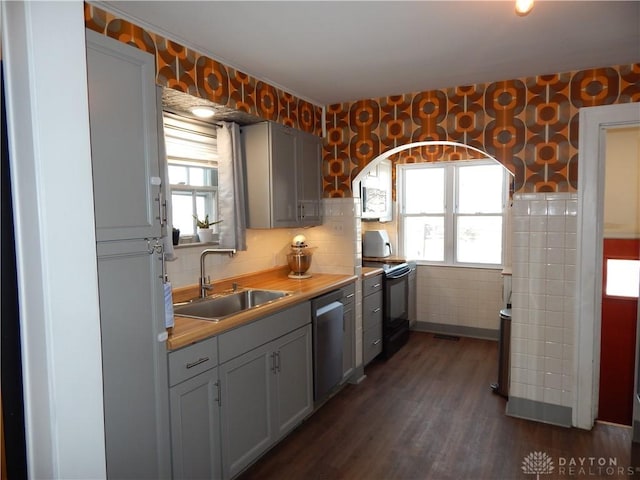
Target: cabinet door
x,y
195,427
293,380
309,185
283,174
124,139
246,408
134,362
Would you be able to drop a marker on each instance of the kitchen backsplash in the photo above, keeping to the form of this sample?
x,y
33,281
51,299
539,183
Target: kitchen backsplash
x,y
335,246
543,310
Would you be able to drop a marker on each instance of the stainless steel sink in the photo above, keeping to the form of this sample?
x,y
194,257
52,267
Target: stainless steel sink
x,y
220,307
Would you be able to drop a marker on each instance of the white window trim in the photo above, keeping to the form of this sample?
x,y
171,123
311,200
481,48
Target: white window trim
x,y
451,186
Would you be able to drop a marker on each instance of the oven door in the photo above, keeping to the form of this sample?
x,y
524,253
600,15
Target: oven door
x,y
396,296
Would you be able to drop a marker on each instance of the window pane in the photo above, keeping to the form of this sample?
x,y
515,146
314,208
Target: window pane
x,y
424,190
205,205
623,278
178,175
424,238
182,213
196,176
480,188
479,239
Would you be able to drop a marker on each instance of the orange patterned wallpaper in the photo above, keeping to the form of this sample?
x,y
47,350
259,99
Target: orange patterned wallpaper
x,y
529,124
186,70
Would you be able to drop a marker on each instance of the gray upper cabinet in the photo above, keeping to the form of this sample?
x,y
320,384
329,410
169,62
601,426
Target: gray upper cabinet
x,y
309,178
283,176
124,139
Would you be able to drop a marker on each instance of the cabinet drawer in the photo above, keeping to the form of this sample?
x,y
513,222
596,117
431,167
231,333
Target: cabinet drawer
x,y
348,294
372,310
247,337
371,284
371,343
192,360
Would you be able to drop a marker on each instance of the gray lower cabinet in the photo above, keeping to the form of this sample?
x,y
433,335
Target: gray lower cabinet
x,y
134,369
267,390
246,409
195,411
195,427
371,318
348,345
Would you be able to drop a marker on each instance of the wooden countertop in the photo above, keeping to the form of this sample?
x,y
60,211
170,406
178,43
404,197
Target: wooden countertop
x,y
389,259
190,330
371,271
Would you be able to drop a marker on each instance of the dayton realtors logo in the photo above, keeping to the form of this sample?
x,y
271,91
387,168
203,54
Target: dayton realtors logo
x,y
539,463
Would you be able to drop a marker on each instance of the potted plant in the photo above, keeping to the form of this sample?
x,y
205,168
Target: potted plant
x,y
205,232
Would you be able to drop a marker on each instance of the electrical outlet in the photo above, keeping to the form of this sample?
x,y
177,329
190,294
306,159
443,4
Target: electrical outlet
x,y
337,228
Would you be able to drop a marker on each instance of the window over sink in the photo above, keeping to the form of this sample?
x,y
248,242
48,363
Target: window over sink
x,y
191,148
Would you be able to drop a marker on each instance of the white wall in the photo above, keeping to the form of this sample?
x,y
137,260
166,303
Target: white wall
x,y
622,183
43,52
543,299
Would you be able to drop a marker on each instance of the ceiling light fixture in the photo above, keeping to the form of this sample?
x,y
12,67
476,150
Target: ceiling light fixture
x,y
523,7
203,112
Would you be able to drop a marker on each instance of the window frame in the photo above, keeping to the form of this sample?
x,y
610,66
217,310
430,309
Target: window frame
x,y
451,213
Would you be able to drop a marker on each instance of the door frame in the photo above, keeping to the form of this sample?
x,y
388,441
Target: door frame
x,y
593,123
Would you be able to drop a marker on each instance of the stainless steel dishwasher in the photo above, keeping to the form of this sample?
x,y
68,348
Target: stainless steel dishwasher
x,y
328,331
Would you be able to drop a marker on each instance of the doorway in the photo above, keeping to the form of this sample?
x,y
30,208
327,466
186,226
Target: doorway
x,y
621,252
594,123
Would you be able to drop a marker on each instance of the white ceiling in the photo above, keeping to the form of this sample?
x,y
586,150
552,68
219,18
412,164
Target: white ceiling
x,y
334,51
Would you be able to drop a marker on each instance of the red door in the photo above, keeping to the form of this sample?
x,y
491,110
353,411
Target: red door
x,y
617,341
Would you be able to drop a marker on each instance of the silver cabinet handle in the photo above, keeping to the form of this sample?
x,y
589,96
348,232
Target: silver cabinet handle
x,y
376,310
273,362
219,392
377,285
277,354
197,362
351,295
377,342
162,209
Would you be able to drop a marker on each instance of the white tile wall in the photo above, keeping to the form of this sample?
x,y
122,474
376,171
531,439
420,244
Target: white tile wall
x,y
470,297
543,299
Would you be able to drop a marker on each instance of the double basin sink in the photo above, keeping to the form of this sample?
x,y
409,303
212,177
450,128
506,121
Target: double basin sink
x,y
218,308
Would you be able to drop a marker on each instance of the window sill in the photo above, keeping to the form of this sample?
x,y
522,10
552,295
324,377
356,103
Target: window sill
x,y
195,244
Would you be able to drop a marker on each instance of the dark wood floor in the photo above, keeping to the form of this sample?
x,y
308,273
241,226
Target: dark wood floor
x,y
429,413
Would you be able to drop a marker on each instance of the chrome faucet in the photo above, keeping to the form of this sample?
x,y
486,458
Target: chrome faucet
x,y
205,282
